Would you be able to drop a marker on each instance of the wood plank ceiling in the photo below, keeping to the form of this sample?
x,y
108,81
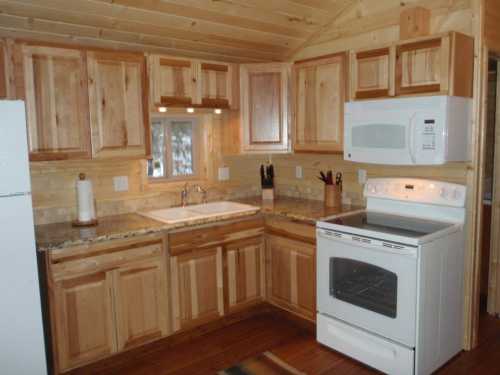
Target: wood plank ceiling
x,y
230,30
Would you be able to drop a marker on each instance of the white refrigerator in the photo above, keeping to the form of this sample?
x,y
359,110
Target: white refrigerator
x,y
22,340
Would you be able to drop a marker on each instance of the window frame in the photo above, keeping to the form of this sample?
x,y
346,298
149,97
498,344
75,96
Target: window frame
x,y
197,149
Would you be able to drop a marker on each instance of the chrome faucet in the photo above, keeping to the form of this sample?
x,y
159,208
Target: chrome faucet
x,y
186,190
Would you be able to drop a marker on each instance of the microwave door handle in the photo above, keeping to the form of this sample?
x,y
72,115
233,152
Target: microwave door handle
x,y
411,139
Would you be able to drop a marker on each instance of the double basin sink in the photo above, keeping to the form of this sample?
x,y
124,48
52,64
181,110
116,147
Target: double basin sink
x,y
211,210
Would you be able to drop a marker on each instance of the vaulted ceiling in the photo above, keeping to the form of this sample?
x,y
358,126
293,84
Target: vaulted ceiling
x,y
231,30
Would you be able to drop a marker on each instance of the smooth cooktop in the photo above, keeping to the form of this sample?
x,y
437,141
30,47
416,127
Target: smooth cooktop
x,y
390,224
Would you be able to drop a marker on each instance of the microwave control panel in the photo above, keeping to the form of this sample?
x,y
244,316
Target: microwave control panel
x,y
429,135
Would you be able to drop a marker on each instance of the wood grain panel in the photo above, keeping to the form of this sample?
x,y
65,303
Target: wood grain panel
x,y
84,319
197,290
320,96
3,70
142,312
56,103
118,105
371,74
491,22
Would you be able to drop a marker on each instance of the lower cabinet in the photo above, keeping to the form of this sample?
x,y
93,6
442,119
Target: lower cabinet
x,y
85,323
245,273
141,306
107,302
291,275
197,287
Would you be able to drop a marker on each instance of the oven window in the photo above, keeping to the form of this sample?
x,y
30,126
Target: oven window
x,y
364,285
386,136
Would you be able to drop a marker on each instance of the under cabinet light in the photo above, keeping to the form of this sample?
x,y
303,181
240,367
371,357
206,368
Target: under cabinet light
x,y
162,109
190,110
217,111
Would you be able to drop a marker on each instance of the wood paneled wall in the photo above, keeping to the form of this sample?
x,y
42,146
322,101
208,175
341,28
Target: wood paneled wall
x,y
492,20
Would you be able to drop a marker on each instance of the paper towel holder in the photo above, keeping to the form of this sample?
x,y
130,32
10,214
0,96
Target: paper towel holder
x,y
90,223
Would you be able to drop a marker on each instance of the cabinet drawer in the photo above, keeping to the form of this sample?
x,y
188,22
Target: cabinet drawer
x,y
187,240
104,259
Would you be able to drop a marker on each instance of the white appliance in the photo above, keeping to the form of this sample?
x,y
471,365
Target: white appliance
x,y
409,131
390,277
21,327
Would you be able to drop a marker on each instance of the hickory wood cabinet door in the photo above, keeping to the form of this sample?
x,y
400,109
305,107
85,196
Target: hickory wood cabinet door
x,y
56,103
320,96
441,65
85,322
216,85
141,302
173,81
264,107
197,287
291,275
118,104
372,73
244,274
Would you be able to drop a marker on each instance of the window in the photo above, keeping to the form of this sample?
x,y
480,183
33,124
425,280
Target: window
x,y
175,146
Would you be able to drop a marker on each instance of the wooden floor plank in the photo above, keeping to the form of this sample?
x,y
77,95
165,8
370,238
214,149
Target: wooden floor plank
x,y
294,344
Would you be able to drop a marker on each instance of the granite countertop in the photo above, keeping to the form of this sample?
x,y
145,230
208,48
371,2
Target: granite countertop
x,y
62,235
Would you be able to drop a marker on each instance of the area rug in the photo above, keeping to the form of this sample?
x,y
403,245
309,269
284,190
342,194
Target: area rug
x,y
263,364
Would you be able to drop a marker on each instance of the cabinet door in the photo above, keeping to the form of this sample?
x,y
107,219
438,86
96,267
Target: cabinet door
x,y
264,107
84,320
118,106
56,103
245,273
423,67
291,275
197,291
372,73
216,85
141,302
321,89
173,81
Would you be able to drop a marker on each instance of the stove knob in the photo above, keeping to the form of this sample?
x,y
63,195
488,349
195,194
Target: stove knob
x,y
443,193
457,194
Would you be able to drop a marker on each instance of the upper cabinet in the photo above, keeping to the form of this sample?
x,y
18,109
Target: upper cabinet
x,y
320,92
264,107
118,104
173,81
438,65
185,82
55,82
371,73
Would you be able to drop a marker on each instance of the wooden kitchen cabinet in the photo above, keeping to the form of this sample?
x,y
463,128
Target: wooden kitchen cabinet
x,y
105,298
245,273
118,104
291,275
372,73
216,85
84,318
437,65
56,95
264,107
141,303
197,287
173,81
320,96
4,80
442,65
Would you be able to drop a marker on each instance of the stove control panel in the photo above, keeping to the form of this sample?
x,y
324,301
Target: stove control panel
x,y
416,190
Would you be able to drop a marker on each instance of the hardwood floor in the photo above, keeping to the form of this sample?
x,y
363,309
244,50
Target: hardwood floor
x,y
290,341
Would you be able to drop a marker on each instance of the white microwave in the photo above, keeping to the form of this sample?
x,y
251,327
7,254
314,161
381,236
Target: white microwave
x,y
427,130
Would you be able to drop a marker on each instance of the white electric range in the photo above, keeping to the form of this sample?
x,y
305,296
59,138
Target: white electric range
x,y
390,278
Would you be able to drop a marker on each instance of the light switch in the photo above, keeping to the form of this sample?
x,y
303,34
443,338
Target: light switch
x,y
223,173
362,175
299,172
120,183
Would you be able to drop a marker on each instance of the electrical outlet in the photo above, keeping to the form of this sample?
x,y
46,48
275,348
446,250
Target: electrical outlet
x,y
299,172
362,176
223,173
120,183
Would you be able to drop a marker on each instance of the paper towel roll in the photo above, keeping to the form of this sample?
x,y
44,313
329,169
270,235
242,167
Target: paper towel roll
x,y
85,194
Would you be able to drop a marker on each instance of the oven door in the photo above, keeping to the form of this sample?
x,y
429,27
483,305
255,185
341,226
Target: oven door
x,y
368,283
